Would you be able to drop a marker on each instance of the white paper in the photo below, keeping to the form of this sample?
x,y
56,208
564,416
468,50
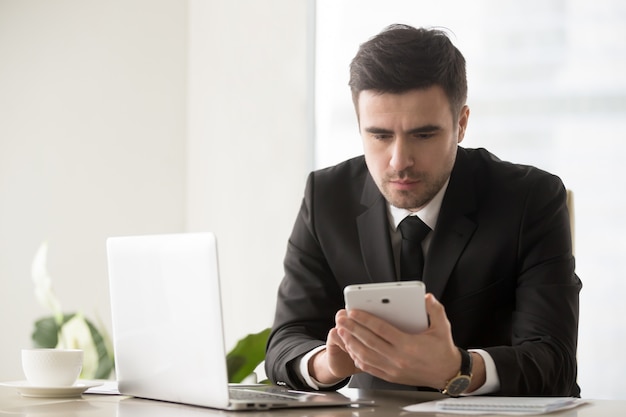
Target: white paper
x,y
514,406
108,388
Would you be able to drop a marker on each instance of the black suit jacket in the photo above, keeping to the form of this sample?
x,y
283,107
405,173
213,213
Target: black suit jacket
x,y
500,261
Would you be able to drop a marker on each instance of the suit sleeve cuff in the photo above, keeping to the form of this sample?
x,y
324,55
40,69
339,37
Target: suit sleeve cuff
x,y
492,381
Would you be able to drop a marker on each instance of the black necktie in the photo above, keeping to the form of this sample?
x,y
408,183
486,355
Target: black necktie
x,y
411,256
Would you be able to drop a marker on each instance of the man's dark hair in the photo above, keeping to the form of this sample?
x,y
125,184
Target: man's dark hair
x,y
403,58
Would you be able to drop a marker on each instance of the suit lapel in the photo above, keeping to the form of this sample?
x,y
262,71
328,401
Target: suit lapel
x,y
373,226
454,228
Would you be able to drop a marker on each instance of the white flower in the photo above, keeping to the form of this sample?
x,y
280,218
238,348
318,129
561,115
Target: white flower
x,y
75,334
43,282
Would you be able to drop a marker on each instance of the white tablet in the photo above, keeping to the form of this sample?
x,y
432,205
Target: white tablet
x,y
400,303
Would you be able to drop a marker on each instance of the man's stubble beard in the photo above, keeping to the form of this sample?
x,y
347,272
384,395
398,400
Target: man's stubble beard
x,y
414,200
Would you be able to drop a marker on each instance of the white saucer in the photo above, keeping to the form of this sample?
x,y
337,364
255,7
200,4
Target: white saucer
x,y
27,390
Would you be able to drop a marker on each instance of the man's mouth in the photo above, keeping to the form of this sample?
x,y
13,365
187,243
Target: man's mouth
x,y
404,183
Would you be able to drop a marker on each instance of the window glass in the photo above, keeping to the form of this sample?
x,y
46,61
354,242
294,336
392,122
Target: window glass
x,y
546,88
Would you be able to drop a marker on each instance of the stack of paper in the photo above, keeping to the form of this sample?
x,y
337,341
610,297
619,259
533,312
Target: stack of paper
x,y
500,405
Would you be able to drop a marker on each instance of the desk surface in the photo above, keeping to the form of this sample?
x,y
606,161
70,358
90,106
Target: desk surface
x,y
388,403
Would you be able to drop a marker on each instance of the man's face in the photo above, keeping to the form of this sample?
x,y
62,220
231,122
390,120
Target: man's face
x,y
410,142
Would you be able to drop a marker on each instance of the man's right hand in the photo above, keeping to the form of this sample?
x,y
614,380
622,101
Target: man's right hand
x,y
333,364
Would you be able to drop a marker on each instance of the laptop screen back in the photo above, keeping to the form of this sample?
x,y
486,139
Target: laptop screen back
x,y
167,318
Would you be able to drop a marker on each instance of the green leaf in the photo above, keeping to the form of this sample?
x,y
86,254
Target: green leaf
x,y
247,354
105,360
46,333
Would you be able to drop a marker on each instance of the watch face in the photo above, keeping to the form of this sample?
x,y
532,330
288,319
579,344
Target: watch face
x,y
458,385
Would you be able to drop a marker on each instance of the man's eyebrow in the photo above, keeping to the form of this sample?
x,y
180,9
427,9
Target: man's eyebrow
x,y
377,130
425,129
421,129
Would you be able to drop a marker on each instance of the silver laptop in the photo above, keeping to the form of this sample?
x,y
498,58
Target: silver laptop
x,y
167,327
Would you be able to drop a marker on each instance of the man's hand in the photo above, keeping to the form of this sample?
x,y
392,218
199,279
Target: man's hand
x,y
332,364
363,342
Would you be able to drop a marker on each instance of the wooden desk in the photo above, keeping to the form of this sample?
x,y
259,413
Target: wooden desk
x,y
388,403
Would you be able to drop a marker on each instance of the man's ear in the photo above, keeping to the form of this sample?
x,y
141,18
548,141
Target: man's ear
x,y
462,123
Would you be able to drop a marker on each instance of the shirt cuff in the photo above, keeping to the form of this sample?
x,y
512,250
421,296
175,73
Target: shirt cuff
x,y
303,368
492,381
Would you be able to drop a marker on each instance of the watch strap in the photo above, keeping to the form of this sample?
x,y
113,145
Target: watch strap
x,y
466,363
461,382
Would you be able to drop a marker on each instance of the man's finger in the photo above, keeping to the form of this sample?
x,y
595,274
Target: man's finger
x,y
436,313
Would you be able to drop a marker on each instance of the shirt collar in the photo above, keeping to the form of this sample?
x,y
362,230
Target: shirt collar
x,y
428,214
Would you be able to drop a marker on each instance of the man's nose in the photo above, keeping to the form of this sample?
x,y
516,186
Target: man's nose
x,y
401,157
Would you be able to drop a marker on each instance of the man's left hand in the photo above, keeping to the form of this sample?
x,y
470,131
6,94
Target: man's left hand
x,y
428,359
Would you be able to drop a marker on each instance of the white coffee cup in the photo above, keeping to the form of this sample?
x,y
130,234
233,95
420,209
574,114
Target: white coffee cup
x,y
52,367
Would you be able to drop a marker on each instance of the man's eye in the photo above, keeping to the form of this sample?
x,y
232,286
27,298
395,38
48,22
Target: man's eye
x,y
382,137
424,135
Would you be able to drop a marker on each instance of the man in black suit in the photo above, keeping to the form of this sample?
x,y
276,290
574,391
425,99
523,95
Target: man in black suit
x,y
502,292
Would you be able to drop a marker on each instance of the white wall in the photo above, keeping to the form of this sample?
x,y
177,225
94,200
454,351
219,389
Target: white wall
x,y
249,143
96,102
